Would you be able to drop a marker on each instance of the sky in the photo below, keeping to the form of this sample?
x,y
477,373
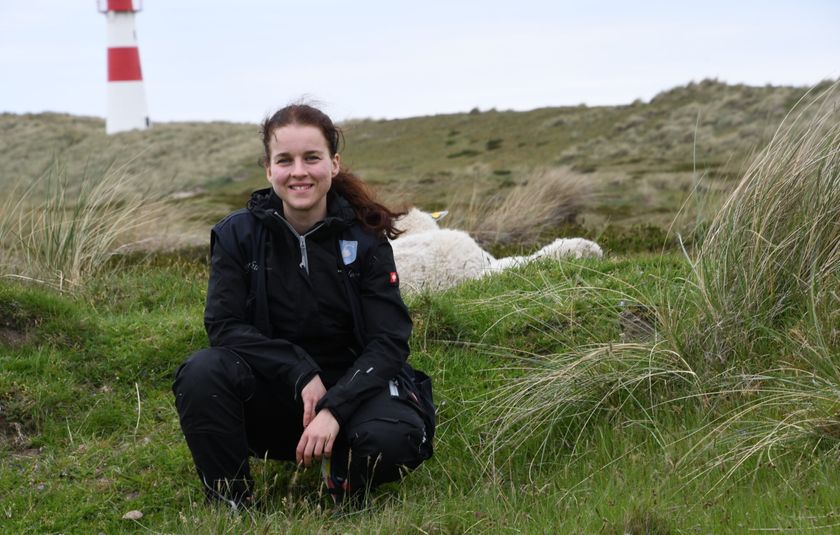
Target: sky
x,y
240,59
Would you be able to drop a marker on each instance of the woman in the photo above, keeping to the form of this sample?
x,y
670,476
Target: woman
x,y
308,332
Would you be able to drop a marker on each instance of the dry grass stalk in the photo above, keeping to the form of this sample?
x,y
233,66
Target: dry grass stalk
x,y
61,231
547,199
569,389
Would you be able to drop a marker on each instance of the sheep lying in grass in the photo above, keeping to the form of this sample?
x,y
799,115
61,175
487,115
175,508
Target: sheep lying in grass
x,y
429,257
558,249
439,259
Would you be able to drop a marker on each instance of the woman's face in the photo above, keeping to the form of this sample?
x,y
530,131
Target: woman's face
x,y
300,171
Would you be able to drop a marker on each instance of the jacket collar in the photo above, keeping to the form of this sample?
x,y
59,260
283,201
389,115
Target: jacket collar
x,y
266,206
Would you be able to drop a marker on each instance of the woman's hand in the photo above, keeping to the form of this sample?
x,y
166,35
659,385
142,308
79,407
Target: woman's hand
x,y
317,438
311,395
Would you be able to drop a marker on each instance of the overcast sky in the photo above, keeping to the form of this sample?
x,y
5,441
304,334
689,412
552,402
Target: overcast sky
x,y
237,60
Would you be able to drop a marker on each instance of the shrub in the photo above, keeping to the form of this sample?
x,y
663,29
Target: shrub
x,y
468,153
494,144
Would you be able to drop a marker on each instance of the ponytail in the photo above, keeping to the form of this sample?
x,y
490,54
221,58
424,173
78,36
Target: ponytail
x,y
373,214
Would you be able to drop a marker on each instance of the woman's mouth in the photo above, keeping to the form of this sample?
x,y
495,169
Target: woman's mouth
x,y
300,187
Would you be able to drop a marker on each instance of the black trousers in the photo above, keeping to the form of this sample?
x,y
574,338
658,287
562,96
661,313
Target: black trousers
x,y
228,413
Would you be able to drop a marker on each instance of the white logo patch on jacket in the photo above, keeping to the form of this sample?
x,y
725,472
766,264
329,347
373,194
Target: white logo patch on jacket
x,y
348,250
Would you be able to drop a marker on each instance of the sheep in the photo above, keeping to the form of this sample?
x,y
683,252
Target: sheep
x,y
431,258
439,259
507,263
569,247
557,250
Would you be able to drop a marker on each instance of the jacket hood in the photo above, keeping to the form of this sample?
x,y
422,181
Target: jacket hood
x,y
265,205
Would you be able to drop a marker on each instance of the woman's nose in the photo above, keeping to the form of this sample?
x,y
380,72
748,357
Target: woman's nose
x,y
298,168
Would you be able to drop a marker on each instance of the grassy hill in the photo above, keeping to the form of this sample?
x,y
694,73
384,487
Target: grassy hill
x,y
638,160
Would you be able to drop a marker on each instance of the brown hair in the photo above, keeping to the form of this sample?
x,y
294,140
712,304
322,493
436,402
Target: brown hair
x,y
369,211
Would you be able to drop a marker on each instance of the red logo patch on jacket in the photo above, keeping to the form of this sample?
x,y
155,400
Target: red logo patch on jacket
x,y
393,278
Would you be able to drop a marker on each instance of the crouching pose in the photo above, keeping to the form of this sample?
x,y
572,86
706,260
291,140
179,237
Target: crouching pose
x,y
308,332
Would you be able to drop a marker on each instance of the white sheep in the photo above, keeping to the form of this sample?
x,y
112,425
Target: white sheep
x,y
439,259
557,250
507,262
569,247
429,257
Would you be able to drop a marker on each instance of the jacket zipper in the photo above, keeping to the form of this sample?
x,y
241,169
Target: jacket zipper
x,y
304,258
304,261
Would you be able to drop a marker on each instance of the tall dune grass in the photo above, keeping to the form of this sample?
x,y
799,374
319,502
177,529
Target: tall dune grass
x,y
558,395
63,231
771,258
786,412
756,324
547,199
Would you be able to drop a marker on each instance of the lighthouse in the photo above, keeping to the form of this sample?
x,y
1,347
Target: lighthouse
x,y
126,95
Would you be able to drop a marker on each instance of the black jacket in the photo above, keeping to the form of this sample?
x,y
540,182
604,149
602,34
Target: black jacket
x,y
237,310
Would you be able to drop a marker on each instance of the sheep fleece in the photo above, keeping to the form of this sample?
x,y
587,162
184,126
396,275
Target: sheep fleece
x,y
439,259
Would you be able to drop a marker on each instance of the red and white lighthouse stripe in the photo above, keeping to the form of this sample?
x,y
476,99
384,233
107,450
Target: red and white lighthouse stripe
x,y
126,95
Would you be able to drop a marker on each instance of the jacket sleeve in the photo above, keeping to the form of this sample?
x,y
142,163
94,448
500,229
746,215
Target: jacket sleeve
x,y
225,318
387,328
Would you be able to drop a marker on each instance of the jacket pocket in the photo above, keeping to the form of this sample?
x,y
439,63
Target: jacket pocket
x,y
414,388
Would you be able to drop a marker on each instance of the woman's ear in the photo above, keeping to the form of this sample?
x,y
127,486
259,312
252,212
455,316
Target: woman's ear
x,y
336,164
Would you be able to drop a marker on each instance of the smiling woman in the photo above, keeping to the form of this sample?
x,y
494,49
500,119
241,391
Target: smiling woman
x,y
300,170
308,330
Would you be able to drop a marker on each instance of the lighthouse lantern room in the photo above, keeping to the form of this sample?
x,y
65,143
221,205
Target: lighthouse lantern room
x,y
126,95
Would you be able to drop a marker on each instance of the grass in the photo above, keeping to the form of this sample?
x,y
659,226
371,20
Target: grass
x,y
63,232
90,387
546,200
751,336
615,395
770,259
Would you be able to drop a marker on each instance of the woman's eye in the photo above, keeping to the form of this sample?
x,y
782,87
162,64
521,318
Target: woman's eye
x,y
312,158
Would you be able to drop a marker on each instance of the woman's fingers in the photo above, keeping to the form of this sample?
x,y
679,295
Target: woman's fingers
x,y
308,406
311,395
300,452
328,445
317,439
300,448
310,448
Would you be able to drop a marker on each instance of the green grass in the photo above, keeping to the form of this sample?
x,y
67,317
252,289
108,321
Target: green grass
x,y
748,334
768,265
93,450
